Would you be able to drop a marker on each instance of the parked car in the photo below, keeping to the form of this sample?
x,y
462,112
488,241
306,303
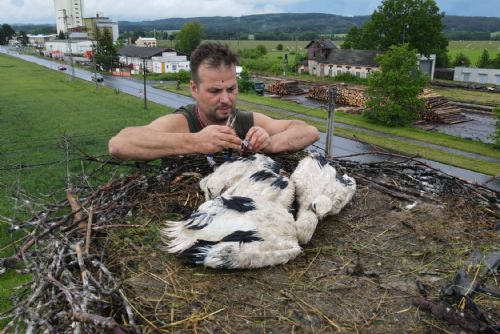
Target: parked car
x,y
97,77
61,68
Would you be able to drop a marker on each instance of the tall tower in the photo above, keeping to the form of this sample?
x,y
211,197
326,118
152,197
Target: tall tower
x,y
74,14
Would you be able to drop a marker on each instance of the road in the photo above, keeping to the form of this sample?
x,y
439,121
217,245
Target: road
x,y
341,146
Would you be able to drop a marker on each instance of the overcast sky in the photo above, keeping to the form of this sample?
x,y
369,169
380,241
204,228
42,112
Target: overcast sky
x,y
42,11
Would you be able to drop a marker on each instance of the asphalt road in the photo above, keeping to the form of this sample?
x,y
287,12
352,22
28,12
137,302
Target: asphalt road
x,y
341,146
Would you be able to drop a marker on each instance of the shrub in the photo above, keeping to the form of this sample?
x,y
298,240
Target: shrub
x,y
496,136
279,47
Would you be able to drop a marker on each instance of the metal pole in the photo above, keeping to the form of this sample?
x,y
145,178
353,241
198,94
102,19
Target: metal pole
x,y
331,115
144,71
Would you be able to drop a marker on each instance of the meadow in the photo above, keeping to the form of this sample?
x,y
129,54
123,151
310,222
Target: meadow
x,y
473,49
39,107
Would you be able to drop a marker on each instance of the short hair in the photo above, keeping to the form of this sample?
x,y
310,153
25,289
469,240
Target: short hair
x,y
214,54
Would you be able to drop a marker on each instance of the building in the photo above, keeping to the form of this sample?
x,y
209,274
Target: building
x,y
479,75
61,46
149,42
170,61
133,56
325,59
40,40
101,23
69,14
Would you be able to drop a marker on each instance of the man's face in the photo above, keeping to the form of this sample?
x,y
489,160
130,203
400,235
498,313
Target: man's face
x,y
216,92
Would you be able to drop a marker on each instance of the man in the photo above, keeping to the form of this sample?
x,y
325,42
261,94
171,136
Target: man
x,y
203,127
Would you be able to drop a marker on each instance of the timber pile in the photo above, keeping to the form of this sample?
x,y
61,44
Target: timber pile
x,y
346,95
440,109
285,87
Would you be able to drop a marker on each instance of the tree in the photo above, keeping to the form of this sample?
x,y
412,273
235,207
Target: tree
x,y
8,31
484,60
189,37
61,35
495,63
393,91
105,51
461,60
395,22
245,82
23,38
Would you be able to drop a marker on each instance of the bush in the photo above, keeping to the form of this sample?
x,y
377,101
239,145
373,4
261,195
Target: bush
x,y
262,49
244,82
497,130
279,47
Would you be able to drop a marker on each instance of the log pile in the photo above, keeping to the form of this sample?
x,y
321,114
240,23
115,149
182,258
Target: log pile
x,y
346,95
439,109
285,87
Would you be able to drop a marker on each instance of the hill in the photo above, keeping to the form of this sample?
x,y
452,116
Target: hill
x,y
296,23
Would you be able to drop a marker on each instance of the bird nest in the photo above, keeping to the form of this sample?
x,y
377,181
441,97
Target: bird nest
x,y
381,265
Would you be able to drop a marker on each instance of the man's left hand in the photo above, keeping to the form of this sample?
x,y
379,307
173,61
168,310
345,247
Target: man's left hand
x,y
259,139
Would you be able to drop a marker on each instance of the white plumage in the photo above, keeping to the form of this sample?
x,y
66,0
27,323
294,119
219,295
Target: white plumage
x,y
245,222
235,232
229,173
319,193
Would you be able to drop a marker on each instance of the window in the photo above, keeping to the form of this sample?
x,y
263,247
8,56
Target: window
x,y
483,78
497,79
358,74
466,77
339,72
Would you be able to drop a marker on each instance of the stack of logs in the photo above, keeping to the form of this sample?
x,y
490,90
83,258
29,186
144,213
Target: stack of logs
x,y
346,95
440,109
285,87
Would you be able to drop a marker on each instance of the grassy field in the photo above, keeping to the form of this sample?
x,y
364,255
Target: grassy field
x,y
37,107
473,49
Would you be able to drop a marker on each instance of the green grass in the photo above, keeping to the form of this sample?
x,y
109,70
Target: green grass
x,y
37,107
473,49
469,96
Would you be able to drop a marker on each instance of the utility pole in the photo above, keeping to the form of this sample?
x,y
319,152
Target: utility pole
x,y
68,44
332,92
144,71
94,53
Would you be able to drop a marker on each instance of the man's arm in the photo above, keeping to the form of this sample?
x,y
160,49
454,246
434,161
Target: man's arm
x,y
169,135
273,136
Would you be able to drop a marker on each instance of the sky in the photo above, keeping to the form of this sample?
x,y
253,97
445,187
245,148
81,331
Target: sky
x,y
42,11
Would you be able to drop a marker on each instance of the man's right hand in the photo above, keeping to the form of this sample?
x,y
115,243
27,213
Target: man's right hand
x,y
215,138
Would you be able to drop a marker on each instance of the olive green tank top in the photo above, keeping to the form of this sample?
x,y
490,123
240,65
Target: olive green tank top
x,y
243,123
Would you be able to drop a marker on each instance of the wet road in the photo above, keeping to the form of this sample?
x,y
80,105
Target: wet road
x,y
341,146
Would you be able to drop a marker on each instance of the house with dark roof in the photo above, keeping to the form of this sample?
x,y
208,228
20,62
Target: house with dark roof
x,y
132,56
324,58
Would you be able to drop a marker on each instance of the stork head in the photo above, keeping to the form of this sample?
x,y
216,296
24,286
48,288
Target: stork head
x,y
321,206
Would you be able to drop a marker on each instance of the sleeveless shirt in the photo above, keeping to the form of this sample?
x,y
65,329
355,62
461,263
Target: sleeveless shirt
x,y
243,123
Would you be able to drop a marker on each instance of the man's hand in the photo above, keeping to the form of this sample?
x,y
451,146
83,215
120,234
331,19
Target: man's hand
x,y
215,138
259,139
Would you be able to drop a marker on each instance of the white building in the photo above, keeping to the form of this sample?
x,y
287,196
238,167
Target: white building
x,y
40,39
170,62
479,75
77,47
149,42
102,23
72,11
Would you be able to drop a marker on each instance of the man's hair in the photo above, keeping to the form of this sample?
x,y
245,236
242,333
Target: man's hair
x,y
214,55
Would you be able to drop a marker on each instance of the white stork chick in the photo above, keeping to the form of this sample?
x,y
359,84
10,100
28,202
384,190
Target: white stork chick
x,y
231,172
235,232
265,185
320,192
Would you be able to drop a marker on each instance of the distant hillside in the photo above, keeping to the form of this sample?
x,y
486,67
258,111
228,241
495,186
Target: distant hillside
x,y
290,25
296,23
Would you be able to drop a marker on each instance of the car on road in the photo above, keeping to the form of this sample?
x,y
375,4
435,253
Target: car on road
x,y
97,77
61,68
